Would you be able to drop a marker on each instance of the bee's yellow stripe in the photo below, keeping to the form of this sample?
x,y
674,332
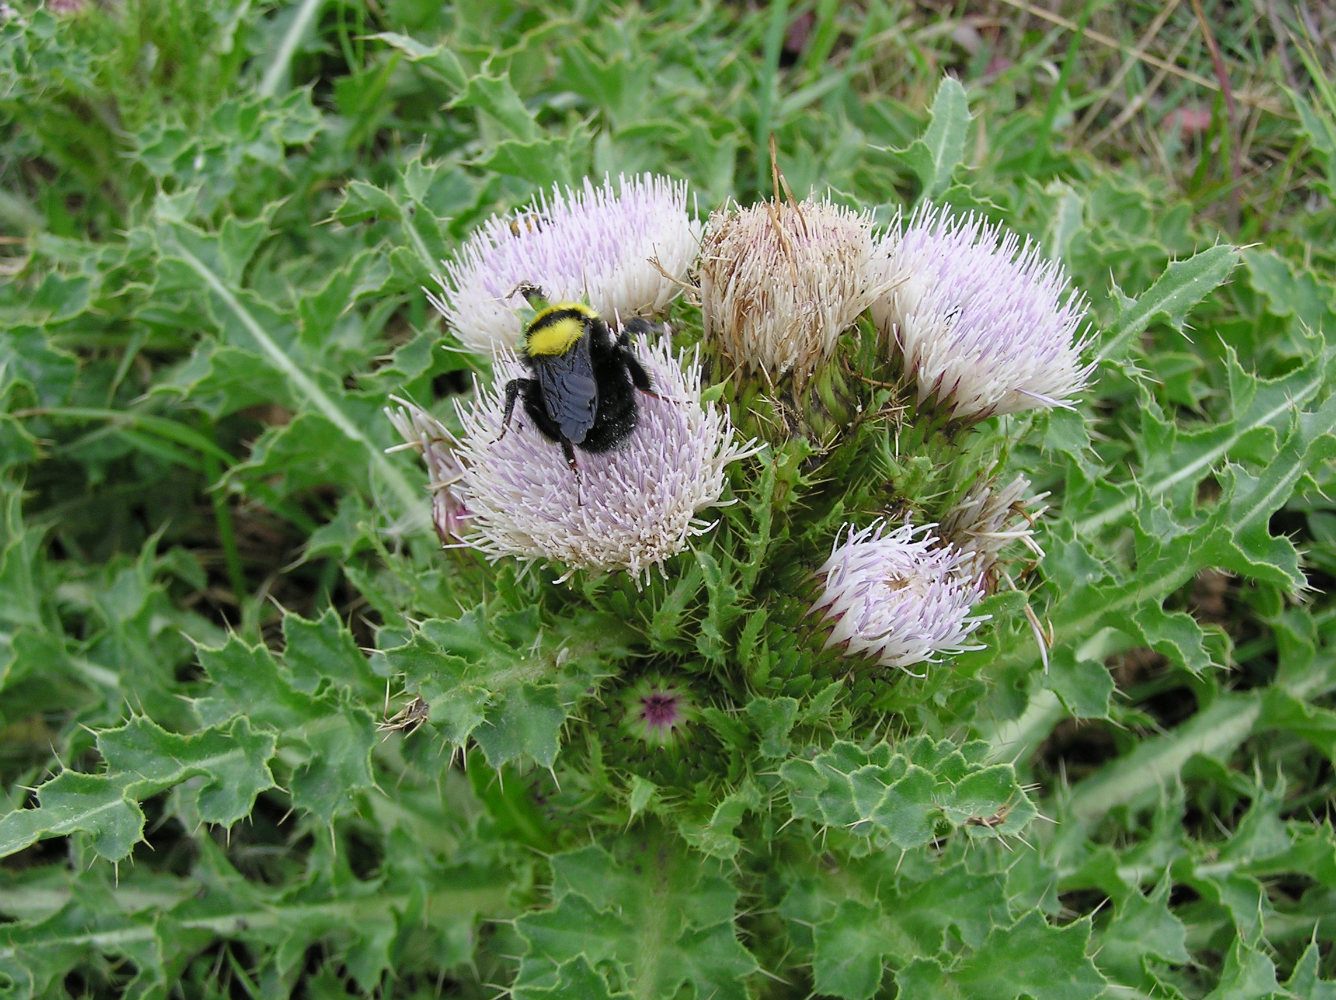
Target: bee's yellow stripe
x,y
557,329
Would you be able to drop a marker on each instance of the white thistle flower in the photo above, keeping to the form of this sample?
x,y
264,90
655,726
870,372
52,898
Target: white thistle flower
x,y
628,509
779,282
623,248
898,597
432,440
983,323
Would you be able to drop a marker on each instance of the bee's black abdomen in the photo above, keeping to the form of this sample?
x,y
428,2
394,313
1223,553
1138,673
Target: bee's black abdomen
x,y
617,412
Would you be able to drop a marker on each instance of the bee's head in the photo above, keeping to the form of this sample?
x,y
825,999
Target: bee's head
x,y
558,328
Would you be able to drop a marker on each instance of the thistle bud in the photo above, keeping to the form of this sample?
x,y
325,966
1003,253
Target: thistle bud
x,y
657,711
989,519
433,441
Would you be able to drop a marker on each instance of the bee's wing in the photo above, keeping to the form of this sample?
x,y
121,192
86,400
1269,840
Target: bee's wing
x,y
570,394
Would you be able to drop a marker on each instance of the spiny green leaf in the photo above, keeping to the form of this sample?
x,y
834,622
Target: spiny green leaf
x,y
1182,286
142,759
935,156
1144,927
1289,289
322,651
576,978
524,722
338,763
147,921
73,802
1319,125
1248,972
200,255
657,919
773,718
1028,958
955,903
848,956
28,358
718,837
497,682
1305,982
248,682
1215,730
363,201
880,795
1084,684
1174,460
20,570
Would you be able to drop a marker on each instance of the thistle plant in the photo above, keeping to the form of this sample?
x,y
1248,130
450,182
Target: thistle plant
x,y
868,590
871,557
786,290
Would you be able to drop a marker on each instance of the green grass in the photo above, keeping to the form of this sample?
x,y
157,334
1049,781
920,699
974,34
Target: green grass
x,y
217,588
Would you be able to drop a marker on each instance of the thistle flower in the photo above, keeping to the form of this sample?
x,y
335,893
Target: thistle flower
x,y
989,519
433,441
981,321
898,597
779,282
623,249
656,711
628,509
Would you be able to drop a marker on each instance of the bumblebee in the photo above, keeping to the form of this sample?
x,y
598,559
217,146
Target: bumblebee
x,y
583,384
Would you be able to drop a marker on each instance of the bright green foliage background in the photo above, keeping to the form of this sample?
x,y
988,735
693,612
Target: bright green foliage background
x,y
215,584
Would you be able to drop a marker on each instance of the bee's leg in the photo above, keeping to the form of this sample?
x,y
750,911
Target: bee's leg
x,y
639,377
513,389
568,450
635,325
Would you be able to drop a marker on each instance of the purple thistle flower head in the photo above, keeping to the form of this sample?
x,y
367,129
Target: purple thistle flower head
x,y
898,597
983,323
628,509
657,710
433,441
623,247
